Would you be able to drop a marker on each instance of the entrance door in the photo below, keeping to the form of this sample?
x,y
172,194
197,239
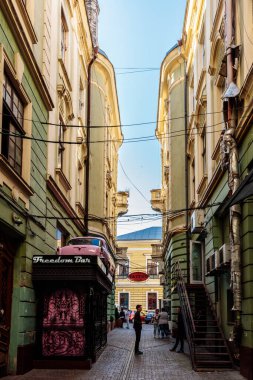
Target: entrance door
x,y
6,272
196,263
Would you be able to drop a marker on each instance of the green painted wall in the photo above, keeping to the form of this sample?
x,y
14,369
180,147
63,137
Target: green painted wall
x,y
32,234
217,234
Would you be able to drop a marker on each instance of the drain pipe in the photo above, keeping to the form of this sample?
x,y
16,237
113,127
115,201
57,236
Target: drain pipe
x,y
230,154
186,174
87,178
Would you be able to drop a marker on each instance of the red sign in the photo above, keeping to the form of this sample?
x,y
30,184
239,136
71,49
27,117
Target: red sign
x,y
138,276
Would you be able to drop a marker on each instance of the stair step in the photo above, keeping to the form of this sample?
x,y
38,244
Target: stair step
x,y
208,338
212,354
214,362
208,332
198,346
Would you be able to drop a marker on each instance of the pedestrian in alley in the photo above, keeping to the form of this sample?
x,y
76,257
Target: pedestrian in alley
x,y
155,321
127,315
163,323
138,328
180,336
122,316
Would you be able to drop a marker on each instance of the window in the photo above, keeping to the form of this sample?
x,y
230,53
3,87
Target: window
x,y
124,300
152,301
193,185
230,304
61,148
152,268
203,148
61,236
64,32
124,269
13,114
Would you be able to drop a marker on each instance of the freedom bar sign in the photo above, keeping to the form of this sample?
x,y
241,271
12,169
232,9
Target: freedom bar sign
x,y
138,276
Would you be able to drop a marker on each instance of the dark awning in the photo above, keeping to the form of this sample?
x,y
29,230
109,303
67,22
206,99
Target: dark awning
x,y
244,191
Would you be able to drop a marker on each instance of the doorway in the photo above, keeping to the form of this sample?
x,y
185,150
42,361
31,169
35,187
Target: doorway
x,y
196,262
6,280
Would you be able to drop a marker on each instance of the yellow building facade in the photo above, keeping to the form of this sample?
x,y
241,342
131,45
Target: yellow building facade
x,y
136,251
215,56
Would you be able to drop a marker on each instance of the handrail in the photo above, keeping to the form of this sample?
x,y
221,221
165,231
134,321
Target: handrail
x,y
218,323
186,308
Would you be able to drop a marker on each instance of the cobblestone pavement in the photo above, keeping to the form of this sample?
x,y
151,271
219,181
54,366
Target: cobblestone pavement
x,y
157,362
111,364
117,362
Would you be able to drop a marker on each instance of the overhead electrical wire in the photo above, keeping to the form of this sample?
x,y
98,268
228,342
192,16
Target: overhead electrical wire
x,y
126,141
123,125
136,71
136,188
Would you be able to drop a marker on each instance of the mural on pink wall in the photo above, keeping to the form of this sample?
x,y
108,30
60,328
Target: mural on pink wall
x,y
63,324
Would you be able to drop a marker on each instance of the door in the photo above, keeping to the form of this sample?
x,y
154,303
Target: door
x,y
196,262
6,276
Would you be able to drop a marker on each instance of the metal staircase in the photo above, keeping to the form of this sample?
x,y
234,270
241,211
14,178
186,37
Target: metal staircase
x,y
207,344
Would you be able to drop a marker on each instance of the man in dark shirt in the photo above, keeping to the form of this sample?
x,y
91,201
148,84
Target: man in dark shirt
x,y
138,327
180,332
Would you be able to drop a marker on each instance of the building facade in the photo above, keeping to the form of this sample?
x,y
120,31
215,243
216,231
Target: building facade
x,y
136,249
25,105
217,49
170,133
50,82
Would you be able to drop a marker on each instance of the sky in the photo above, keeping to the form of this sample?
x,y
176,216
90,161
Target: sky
x,y
138,34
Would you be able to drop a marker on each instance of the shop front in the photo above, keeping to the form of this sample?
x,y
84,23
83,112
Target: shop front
x,y
71,310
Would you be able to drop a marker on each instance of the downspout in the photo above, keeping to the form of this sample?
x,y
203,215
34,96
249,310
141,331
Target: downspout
x,y
87,178
230,160
186,175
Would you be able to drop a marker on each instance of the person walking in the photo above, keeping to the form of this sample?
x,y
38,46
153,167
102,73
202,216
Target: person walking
x,y
163,322
138,328
155,321
180,332
127,315
122,316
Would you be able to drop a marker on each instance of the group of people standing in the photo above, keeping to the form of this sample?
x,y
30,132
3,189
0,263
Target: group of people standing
x,y
122,316
161,327
160,321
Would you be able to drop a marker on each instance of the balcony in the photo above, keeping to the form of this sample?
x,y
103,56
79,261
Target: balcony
x,y
122,202
157,201
156,251
122,253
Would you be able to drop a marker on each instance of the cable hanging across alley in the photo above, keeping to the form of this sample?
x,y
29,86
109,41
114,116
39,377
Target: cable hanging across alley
x,y
126,141
91,216
124,125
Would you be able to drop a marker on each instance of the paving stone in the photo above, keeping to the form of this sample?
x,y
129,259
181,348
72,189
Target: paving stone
x,y
116,363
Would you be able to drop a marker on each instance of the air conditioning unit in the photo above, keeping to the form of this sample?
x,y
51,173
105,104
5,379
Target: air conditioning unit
x,y
162,280
210,263
161,267
217,258
224,255
197,221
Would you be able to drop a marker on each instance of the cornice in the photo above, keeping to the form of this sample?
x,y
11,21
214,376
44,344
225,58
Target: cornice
x,y
27,53
28,23
212,185
216,19
201,84
19,181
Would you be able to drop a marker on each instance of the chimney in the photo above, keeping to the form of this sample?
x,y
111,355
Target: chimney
x,y
92,8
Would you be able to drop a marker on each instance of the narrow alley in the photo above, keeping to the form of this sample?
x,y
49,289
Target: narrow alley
x,y
117,361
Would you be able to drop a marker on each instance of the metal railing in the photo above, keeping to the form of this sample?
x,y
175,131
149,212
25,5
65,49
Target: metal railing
x,y
186,308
